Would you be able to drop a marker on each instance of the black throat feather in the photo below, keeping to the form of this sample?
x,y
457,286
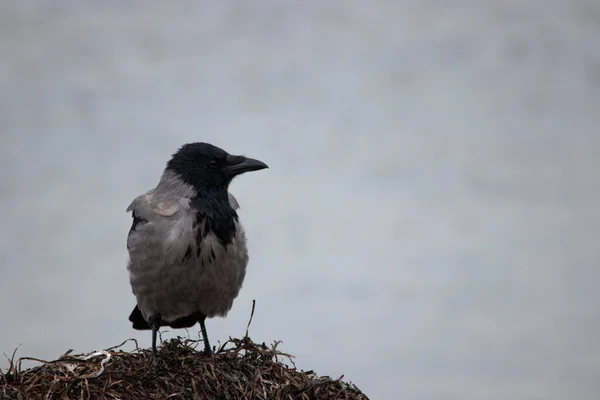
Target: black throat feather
x,y
214,214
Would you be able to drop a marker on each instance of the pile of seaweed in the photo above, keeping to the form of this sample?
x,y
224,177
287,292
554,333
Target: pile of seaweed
x,y
239,369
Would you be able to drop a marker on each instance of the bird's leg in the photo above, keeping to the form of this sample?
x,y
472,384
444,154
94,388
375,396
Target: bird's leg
x,y
154,322
207,349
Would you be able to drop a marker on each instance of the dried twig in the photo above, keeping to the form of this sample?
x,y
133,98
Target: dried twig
x,y
251,316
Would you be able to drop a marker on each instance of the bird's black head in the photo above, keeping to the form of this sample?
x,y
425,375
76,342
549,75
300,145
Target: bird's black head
x,y
205,166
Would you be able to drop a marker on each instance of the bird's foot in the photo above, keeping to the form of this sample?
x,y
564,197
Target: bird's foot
x,y
207,352
153,359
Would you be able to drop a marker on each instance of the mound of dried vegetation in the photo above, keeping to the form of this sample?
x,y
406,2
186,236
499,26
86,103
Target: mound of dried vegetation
x,y
239,369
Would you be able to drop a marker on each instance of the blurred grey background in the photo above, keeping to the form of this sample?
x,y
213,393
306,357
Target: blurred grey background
x,y
429,225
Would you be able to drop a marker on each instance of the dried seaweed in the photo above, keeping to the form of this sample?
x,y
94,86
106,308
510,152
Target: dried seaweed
x,y
239,369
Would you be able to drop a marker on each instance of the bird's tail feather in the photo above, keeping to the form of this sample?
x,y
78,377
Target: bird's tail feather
x,y
138,320
139,323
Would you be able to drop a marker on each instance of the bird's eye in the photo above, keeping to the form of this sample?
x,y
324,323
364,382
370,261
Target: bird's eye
x,y
213,163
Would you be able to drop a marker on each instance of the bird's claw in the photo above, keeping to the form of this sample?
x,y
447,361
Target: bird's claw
x,y
207,353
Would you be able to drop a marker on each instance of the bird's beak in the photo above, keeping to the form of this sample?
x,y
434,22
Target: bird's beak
x,y
237,165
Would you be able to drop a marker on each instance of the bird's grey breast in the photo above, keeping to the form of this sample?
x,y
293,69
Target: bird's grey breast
x,y
177,266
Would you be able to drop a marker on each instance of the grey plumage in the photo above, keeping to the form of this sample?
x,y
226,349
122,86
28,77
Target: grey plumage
x,y
187,247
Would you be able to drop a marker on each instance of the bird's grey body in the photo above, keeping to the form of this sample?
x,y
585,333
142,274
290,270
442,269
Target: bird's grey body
x,y
187,247
169,274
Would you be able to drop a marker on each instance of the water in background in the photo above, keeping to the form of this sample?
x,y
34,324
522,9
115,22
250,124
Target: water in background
x,y
429,224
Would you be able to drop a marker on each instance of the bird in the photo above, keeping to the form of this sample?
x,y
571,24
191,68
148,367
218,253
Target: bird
x,y
187,247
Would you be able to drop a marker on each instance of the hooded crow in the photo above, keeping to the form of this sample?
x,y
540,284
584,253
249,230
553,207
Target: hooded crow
x,y
187,247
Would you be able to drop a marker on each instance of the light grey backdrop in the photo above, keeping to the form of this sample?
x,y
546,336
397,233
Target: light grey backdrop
x,y
429,225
